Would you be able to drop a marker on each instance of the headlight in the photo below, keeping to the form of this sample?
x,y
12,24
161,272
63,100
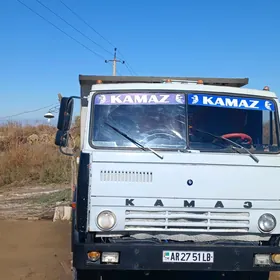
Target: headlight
x,y
106,220
267,222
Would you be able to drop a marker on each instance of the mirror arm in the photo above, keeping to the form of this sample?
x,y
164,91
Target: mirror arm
x,y
74,97
61,150
67,154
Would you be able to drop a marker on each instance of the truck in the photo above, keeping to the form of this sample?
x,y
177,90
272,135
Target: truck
x,y
177,177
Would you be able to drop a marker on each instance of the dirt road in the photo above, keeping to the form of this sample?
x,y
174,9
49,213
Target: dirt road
x,y
35,250
32,201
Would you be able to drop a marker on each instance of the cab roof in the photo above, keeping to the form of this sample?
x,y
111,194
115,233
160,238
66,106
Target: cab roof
x,y
218,85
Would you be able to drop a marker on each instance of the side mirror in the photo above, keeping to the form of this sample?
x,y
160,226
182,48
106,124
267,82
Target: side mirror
x,y
65,114
64,122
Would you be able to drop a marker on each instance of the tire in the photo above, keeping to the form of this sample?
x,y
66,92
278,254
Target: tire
x,y
85,275
258,275
209,275
95,275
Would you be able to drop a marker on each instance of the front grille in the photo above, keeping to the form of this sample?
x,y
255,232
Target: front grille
x,y
187,221
126,176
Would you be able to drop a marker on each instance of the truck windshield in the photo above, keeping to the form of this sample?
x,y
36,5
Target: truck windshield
x,y
249,122
155,120
160,120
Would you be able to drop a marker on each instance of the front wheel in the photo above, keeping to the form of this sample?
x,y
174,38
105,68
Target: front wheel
x,y
108,275
85,275
227,275
258,275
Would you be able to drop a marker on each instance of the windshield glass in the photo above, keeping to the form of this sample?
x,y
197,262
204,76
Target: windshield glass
x,y
249,122
155,120
159,120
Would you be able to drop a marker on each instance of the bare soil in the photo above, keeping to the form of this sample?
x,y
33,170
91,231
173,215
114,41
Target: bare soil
x,y
274,276
32,201
35,250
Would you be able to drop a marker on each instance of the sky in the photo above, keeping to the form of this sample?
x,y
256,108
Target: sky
x,y
232,39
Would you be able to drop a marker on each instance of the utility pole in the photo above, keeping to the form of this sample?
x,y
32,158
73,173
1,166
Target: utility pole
x,y
115,61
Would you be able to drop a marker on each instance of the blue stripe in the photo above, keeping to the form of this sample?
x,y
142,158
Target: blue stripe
x,y
231,102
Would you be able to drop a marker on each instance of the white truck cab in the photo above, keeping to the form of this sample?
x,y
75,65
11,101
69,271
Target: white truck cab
x,y
176,175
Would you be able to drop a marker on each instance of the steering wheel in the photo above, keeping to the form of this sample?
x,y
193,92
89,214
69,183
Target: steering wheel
x,y
160,133
242,136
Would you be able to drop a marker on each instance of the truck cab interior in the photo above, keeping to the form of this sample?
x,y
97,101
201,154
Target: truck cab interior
x,y
253,129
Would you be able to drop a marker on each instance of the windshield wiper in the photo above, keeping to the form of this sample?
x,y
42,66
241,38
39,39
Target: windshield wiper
x,y
133,141
232,144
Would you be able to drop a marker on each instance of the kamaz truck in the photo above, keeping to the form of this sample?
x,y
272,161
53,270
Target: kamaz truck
x,y
177,178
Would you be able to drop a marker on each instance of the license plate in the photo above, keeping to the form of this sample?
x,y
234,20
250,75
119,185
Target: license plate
x,y
188,257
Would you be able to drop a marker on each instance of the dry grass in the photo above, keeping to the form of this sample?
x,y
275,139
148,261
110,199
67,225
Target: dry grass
x,y
28,155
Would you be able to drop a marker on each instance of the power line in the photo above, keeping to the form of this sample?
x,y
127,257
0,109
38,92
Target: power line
x,y
71,37
79,17
27,112
61,18
105,39
92,51
130,69
127,65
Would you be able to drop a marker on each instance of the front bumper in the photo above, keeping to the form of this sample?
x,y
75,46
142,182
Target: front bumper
x,y
148,257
